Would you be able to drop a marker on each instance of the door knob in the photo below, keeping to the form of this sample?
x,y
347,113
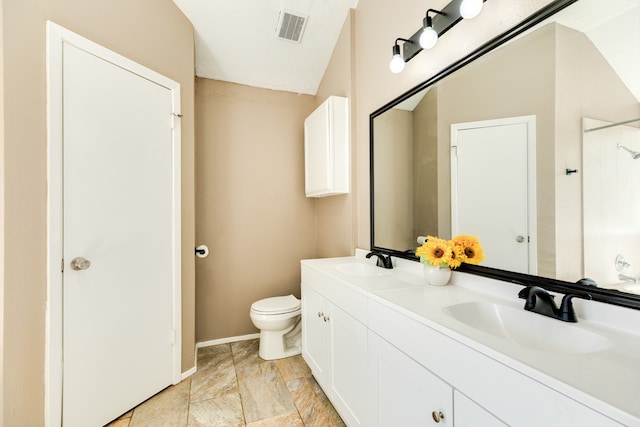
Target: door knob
x,y
80,263
437,416
520,239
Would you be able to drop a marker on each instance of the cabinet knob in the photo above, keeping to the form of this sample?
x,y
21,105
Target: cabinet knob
x,y
326,318
319,314
437,416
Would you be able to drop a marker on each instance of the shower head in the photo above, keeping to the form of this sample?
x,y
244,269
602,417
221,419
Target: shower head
x,y
634,154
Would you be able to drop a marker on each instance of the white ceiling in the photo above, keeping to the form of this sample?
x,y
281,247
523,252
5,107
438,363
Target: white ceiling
x,y
236,41
604,27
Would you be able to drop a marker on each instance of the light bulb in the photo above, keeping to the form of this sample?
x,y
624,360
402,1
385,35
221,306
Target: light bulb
x,y
397,64
470,8
428,38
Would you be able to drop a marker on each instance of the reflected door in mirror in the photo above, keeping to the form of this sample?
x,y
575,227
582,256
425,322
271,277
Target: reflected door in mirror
x,y
490,191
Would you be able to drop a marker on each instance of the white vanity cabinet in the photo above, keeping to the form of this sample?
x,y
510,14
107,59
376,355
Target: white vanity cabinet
x,y
326,149
501,394
403,392
334,345
386,355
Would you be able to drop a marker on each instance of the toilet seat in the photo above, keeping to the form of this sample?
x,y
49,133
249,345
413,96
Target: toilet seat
x,y
276,305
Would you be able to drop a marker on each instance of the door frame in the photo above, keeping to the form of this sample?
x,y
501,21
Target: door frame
x,y
57,36
532,223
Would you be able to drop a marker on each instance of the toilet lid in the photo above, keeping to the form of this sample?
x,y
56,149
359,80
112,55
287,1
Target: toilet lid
x,y
276,305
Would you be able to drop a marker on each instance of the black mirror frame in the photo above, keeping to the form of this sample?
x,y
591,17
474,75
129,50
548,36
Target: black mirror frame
x,y
608,296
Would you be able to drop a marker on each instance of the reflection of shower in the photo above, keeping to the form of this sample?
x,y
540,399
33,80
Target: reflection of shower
x,y
634,154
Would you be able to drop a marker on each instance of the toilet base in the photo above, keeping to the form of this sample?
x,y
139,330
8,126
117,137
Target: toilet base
x,y
276,345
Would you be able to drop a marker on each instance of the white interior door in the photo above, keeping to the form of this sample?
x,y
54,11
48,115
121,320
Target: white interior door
x,y
119,205
493,189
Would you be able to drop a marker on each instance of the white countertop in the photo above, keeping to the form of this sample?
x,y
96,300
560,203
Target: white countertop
x,y
607,380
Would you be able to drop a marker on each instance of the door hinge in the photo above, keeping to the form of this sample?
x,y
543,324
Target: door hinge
x,y
62,265
172,337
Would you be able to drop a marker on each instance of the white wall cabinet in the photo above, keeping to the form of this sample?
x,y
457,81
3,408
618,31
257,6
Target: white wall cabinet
x,y
335,346
326,149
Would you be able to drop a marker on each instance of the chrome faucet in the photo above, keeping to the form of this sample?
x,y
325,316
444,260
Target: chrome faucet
x,y
384,261
626,278
538,300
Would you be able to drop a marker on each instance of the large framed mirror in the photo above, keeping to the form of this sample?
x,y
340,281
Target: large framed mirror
x,y
531,143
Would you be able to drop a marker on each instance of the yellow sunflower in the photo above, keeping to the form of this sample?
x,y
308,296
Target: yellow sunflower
x,y
472,252
457,257
435,251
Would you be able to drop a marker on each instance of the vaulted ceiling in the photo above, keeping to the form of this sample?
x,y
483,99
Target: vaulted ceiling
x,y
236,41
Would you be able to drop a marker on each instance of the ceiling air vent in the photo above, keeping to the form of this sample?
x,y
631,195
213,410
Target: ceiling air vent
x,y
291,25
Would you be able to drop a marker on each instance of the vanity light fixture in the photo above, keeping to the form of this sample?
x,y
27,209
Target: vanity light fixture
x,y
432,28
429,36
397,61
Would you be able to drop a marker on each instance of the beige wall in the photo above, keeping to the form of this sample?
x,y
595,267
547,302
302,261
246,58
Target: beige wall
x,y
379,23
151,32
425,167
394,189
251,206
337,216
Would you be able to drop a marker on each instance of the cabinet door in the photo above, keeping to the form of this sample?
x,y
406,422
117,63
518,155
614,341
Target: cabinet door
x,y
347,365
470,414
326,148
317,146
314,335
404,393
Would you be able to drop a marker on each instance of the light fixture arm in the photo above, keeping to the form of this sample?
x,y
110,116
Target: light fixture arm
x,y
428,21
396,46
439,12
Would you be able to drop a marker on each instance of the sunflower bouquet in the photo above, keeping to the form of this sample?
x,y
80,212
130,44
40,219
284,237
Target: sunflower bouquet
x,y
451,253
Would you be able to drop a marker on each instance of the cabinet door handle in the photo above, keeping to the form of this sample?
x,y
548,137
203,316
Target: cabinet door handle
x,y
437,416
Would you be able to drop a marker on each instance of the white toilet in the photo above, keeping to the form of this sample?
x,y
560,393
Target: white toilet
x,y
278,319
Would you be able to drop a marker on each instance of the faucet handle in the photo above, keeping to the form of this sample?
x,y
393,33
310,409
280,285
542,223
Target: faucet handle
x,y
567,313
526,292
383,261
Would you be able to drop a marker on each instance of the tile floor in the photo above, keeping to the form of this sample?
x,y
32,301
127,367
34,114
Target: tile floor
x,y
234,387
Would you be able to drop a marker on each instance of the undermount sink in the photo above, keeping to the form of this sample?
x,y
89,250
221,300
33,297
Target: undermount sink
x,y
529,329
362,270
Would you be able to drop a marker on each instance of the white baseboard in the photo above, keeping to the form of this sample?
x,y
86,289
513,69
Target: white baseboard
x,y
187,374
227,340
